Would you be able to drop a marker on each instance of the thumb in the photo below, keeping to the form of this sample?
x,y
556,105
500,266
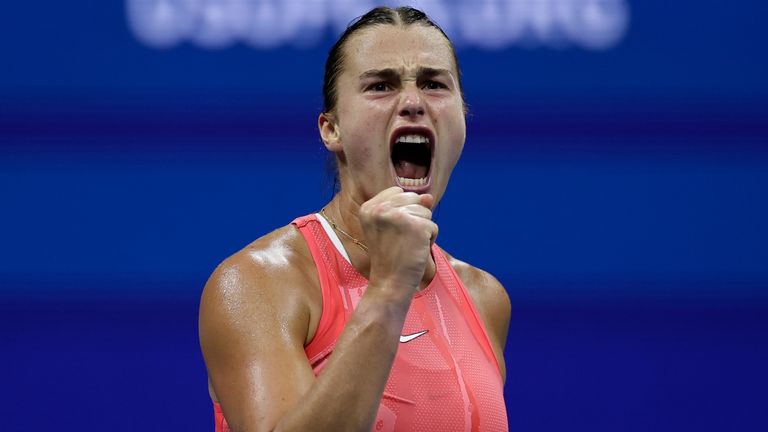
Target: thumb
x,y
427,200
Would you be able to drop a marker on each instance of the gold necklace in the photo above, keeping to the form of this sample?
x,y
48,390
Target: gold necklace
x,y
359,243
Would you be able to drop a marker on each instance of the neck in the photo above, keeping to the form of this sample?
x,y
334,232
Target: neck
x,y
344,209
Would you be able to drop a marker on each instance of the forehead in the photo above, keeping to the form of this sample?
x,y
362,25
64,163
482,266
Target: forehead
x,y
398,47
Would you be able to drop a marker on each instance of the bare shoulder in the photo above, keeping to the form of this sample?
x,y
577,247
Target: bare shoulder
x,y
272,277
276,269
491,300
487,292
256,314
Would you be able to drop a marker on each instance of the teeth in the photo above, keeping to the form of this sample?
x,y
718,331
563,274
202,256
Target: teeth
x,y
413,139
412,182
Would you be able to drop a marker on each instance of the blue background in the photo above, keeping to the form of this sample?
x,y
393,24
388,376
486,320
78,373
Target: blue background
x,y
621,196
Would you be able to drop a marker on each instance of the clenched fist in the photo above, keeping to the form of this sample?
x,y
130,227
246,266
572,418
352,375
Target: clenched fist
x,y
399,231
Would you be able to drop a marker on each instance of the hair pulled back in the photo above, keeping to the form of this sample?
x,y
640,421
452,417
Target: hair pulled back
x,y
404,15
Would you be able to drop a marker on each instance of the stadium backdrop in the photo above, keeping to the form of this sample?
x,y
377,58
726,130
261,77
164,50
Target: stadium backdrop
x,y
615,179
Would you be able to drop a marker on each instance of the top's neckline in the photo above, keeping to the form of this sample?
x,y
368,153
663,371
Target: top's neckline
x,y
342,253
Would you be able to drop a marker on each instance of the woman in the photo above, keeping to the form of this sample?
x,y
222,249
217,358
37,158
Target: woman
x,y
352,318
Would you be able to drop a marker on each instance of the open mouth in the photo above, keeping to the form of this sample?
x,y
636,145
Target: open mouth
x,y
412,159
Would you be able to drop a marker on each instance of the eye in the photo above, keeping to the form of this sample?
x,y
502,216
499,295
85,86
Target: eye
x,y
381,86
433,85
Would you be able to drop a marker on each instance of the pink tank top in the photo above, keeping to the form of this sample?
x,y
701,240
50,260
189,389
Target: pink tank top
x,y
445,376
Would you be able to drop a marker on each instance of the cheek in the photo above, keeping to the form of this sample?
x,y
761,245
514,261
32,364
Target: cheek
x,y
363,117
359,146
449,119
364,129
356,149
449,108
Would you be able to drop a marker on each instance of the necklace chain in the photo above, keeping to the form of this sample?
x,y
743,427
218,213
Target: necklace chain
x,y
357,242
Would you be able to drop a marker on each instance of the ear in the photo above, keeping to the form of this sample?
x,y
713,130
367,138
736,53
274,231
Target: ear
x,y
329,131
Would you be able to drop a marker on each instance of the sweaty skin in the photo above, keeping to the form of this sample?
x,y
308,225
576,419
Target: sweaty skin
x,y
263,304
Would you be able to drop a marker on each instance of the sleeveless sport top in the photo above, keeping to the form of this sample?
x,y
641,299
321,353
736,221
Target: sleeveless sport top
x,y
445,376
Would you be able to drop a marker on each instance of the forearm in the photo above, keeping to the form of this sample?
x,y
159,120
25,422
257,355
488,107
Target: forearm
x,y
346,396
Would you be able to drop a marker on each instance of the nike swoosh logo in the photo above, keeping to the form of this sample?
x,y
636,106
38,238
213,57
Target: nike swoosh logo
x,y
412,336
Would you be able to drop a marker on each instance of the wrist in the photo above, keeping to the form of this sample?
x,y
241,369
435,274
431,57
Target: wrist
x,y
390,292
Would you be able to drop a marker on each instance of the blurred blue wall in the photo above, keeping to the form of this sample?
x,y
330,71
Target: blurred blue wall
x,y
619,192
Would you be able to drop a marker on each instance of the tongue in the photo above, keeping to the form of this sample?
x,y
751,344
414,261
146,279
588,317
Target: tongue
x,y
410,170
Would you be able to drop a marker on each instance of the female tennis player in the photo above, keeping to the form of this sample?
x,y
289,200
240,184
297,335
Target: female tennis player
x,y
352,318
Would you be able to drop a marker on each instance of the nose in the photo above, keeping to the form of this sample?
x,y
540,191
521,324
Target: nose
x,y
411,102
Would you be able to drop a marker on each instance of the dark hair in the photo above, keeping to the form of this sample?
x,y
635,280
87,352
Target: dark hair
x,y
404,15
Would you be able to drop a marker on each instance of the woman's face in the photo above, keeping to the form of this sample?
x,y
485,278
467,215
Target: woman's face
x,y
399,118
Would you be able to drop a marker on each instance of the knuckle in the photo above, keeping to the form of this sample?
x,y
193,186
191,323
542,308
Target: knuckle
x,y
379,209
367,209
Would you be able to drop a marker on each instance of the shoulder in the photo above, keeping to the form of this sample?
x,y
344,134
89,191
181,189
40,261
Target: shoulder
x,y
491,301
486,291
275,273
255,315
281,254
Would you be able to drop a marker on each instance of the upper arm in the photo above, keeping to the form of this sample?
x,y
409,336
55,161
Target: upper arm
x,y
253,324
496,305
492,303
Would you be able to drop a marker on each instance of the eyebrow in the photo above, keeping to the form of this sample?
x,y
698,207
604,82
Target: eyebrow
x,y
390,73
